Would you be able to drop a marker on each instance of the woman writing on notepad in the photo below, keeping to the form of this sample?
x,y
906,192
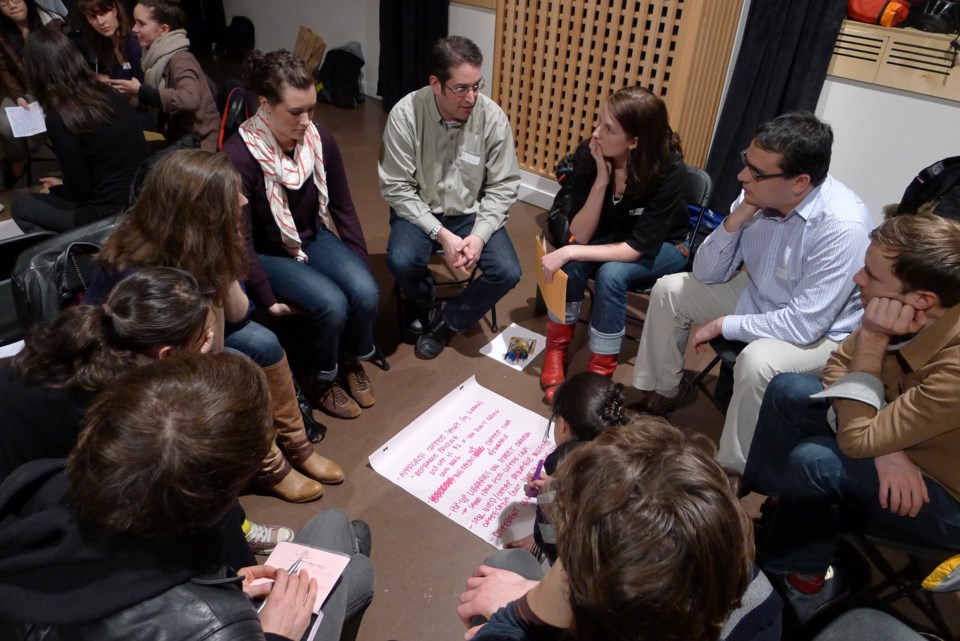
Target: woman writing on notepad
x,y
124,539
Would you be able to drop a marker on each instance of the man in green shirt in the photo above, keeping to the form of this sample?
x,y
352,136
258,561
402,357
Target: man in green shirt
x,y
449,170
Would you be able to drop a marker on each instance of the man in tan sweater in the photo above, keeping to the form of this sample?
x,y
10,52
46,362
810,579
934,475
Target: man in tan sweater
x,y
879,437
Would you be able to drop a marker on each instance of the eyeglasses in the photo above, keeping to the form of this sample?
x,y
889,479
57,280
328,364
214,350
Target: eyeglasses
x,y
459,91
753,170
10,3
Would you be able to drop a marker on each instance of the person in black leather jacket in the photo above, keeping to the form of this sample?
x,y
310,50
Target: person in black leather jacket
x,y
124,540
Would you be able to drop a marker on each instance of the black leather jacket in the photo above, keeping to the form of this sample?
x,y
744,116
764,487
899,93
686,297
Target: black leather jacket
x,y
212,609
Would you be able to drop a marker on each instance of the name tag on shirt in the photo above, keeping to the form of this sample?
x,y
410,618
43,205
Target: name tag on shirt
x,y
466,156
783,273
637,212
126,66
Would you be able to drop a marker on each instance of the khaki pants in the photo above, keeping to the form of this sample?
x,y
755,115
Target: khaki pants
x,y
679,301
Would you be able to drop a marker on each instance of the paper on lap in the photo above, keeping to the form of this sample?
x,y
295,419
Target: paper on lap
x,y
323,565
468,457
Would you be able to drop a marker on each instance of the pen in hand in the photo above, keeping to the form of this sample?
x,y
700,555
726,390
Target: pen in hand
x,y
293,568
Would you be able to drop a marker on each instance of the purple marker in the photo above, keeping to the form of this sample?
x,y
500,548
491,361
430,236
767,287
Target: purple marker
x,y
532,491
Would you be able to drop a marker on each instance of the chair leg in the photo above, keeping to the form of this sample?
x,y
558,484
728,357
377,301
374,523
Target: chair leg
x,y
398,295
903,589
698,382
493,319
379,359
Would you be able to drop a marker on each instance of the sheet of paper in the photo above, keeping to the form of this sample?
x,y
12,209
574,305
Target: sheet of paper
x,y
554,294
322,565
26,122
468,457
497,348
11,350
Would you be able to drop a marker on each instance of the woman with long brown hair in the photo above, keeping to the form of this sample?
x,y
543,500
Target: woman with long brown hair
x,y
188,216
627,225
18,20
45,390
108,31
95,135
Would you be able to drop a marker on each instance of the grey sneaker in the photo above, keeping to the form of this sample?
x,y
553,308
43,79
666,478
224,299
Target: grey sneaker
x,y
807,606
262,539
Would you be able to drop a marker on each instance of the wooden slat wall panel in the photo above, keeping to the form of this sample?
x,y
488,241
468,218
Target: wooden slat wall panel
x,y
556,60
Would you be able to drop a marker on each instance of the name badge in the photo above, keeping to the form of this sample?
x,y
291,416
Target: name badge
x,y
126,66
783,273
636,212
466,156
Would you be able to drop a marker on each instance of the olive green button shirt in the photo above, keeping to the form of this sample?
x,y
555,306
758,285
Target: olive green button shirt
x,y
429,168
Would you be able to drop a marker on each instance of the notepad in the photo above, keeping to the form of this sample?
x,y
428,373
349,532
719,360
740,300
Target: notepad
x,y
323,565
26,122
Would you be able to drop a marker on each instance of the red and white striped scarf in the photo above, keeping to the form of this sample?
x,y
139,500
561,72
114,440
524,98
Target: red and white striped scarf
x,y
280,170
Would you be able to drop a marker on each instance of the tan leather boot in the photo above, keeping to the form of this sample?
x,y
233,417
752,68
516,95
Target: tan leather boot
x,y
278,479
291,436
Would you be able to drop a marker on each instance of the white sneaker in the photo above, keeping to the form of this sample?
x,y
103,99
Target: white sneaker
x,y
262,539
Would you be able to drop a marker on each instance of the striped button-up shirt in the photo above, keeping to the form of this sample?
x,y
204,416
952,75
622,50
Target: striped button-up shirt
x,y
801,268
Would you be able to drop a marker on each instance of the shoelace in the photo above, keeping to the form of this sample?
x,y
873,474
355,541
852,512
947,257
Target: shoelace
x,y
360,379
340,396
261,534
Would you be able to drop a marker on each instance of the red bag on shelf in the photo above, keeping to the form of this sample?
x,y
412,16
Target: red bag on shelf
x,y
887,13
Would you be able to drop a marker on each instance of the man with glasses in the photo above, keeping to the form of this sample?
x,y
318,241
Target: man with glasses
x,y
448,169
776,275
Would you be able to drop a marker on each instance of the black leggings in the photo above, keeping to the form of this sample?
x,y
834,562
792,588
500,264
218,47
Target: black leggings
x,y
39,212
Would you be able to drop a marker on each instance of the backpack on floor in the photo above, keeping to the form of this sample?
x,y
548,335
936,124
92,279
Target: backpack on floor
x,y
939,182
340,76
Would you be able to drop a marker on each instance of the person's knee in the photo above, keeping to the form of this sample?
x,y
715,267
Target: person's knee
x,y
669,286
366,295
612,279
791,391
808,466
754,364
504,271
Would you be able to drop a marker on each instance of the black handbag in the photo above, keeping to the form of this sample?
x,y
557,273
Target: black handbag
x,y
560,214
315,429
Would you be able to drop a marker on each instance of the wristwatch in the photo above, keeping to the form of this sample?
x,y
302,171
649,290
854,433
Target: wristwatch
x,y
435,232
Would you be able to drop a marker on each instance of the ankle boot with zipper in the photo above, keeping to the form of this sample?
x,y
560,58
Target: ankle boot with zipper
x,y
603,364
291,435
555,357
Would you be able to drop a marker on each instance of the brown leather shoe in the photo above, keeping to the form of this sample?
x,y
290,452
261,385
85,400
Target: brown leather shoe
x,y
304,458
660,405
330,397
358,383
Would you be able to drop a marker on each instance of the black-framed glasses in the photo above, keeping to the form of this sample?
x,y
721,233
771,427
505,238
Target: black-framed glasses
x,y
461,90
757,175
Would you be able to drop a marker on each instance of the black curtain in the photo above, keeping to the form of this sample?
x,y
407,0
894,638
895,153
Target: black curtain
x,y
408,28
787,45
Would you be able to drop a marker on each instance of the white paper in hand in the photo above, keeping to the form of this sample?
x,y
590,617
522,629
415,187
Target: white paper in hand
x,y
26,122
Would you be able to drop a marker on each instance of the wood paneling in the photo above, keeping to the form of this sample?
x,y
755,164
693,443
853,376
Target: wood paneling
x,y
556,60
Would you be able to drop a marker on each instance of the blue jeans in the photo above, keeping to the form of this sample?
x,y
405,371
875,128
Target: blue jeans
x,y
338,295
254,341
614,280
795,457
408,253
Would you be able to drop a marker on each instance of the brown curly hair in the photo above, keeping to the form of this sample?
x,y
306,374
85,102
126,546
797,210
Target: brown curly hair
x,y
651,536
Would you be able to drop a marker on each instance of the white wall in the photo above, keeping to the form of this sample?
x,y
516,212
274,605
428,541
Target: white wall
x,y
479,25
336,21
883,137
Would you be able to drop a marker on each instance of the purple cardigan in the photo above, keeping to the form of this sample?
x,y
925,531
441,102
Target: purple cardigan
x,y
263,237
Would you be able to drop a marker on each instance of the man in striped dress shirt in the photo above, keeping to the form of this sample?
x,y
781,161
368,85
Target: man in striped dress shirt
x,y
777,275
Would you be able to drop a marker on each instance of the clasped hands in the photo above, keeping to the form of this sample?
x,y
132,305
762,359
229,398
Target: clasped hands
x,y
460,254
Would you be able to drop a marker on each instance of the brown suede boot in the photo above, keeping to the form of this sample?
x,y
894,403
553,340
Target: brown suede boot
x,y
278,479
291,435
554,357
603,364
